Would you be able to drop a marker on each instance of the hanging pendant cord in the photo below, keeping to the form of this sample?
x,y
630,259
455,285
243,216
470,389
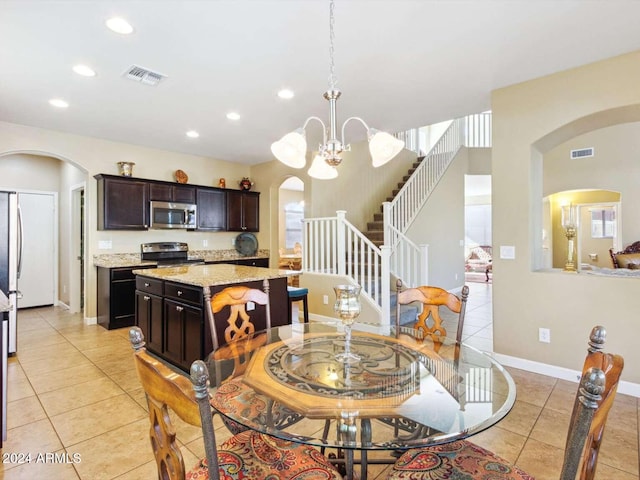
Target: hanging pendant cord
x,y
332,75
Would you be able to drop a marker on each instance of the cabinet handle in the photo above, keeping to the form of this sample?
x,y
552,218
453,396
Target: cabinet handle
x,y
179,308
146,298
179,293
147,284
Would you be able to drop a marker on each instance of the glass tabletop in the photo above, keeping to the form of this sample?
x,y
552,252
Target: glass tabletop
x,y
403,392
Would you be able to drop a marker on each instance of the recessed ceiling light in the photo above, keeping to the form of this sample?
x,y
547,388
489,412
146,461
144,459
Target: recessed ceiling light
x,y
233,116
84,71
119,25
192,134
58,102
286,94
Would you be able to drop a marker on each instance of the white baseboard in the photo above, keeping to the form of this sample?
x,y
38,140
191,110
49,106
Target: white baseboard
x,y
90,320
626,388
60,303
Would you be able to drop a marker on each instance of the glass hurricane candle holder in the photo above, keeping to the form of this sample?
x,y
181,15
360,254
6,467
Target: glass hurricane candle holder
x,y
347,307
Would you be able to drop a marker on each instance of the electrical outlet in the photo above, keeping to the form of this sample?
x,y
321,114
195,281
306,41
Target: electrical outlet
x,y
325,299
233,241
104,244
205,243
456,276
251,306
544,335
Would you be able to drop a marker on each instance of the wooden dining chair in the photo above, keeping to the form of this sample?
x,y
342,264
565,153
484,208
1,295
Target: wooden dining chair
x,y
232,392
238,324
247,455
594,398
431,299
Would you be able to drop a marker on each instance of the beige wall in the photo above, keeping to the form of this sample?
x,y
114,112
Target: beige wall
x,y
529,120
440,225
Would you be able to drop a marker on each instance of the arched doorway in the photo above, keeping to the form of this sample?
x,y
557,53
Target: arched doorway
x,y
39,171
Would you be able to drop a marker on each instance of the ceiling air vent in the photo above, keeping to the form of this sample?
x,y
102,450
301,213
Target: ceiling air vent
x,y
582,153
143,75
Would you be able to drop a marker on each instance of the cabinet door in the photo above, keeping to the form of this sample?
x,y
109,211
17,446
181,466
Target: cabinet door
x,y
149,319
123,204
160,192
243,211
184,194
182,333
250,212
212,209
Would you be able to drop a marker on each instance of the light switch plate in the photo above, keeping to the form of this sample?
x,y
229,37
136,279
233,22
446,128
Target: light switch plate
x,y
251,306
507,252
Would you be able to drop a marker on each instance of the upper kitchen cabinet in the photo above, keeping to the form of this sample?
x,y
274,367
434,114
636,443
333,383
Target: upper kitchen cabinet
x,y
123,203
243,211
167,192
212,209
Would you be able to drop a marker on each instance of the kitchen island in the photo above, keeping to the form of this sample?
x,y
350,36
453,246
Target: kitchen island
x,y
170,306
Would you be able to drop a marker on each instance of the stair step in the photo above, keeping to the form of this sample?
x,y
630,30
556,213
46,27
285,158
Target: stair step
x,y
378,217
375,226
375,235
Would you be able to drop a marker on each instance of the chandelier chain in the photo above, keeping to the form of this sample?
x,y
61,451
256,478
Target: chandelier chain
x,y
332,74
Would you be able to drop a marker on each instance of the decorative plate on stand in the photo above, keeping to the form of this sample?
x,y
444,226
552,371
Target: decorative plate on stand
x,y
181,177
246,244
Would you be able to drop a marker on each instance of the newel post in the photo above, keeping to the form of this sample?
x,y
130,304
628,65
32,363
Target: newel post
x,y
385,284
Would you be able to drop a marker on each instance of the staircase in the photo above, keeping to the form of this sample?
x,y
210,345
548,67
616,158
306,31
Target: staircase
x,y
335,247
375,229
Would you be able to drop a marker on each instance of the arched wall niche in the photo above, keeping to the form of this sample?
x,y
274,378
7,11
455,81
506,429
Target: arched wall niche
x,y
540,213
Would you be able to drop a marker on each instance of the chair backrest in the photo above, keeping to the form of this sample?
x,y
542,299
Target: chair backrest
x,y
239,323
166,389
432,298
601,375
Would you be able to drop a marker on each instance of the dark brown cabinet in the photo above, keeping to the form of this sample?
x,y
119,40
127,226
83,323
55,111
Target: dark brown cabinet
x,y
174,321
183,333
212,209
243,211
149,318
116,306
167,192
123,203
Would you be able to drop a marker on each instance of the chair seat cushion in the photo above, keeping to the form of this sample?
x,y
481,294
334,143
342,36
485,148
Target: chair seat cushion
x,y
251,455
234,396
456,460
297,292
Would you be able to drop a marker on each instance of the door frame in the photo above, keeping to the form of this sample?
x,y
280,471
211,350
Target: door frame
x,y
75,247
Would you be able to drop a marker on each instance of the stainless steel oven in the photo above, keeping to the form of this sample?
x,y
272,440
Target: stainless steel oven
x,y
173,215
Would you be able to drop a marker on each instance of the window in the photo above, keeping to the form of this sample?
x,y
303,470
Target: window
x,y
603,222
294,214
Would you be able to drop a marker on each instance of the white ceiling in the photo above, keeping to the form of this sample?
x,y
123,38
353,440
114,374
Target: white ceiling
x,y
399,63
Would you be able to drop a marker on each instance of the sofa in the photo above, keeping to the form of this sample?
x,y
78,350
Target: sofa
x,y
627,258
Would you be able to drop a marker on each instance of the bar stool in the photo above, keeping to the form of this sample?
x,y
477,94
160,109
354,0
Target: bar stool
x,y
297,294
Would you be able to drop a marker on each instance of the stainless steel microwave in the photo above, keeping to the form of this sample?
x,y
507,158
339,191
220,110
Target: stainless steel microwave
x,y
173,215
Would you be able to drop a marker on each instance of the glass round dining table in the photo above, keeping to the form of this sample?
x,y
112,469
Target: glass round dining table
x,y
404,392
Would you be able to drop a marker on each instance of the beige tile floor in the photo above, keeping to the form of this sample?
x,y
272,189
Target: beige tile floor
x,y
73,393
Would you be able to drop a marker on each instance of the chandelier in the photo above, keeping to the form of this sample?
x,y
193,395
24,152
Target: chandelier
x,y
292,148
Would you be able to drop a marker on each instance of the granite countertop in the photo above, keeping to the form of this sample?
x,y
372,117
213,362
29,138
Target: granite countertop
x,y
120,260
207,275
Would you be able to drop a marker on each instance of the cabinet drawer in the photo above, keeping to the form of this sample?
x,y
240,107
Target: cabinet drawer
x,y
183,293
122,274
149,285
254,262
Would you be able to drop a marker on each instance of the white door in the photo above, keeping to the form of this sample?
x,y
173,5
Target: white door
x,y
36,282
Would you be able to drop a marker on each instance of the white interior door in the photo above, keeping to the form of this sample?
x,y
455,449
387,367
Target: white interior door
x,y
36,282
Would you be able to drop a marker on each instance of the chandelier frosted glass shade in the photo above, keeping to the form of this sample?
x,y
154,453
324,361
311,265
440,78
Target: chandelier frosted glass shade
x,y
383,147
321,170
291,149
